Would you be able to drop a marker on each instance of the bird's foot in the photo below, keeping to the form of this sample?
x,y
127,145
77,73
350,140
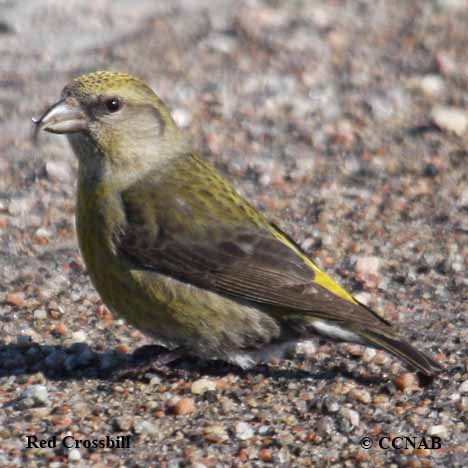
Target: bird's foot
x,y
145,359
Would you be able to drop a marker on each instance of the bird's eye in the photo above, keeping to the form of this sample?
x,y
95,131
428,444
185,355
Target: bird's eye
x,y
113,104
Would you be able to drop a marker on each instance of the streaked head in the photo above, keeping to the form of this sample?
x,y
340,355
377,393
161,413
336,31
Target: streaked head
x,y
116,112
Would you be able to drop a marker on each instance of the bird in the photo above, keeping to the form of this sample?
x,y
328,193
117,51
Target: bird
x,y
172,247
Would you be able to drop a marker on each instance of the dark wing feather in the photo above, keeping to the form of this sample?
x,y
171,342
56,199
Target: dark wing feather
x,y
221,248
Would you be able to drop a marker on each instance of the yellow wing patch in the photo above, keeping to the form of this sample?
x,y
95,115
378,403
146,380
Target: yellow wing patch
x,y
320,277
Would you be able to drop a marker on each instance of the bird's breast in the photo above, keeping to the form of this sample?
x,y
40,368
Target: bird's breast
x,y
97,217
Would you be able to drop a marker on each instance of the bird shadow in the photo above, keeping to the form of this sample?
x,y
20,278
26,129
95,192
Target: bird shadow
x,y
78,362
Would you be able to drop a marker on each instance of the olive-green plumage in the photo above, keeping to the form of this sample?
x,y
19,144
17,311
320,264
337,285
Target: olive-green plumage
x,y
172,247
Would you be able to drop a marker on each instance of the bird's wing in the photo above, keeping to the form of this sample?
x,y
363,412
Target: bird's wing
x,y
217,244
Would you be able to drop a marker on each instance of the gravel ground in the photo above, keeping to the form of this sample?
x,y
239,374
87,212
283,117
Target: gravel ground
x,y
344,120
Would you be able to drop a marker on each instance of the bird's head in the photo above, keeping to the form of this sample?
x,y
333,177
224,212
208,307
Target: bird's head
x,y
113,120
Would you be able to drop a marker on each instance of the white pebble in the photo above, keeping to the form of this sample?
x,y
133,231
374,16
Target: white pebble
x,y
369,354
243,431
40,314
38,394
145,427
182,117
464,387
79,336
351,415
43,232
363,297
452,5
74,455
221,43
438,430
368,265
463,200
20,206
451,119
58,170
306,348
432,85
201,386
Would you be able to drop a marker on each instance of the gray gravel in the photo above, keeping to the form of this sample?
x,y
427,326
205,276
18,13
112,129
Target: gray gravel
x,y
347,122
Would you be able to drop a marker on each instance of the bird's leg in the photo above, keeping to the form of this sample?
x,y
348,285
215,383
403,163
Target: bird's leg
x,y
147,358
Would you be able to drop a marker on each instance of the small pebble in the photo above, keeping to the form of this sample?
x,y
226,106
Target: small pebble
x,y
15,299
306,348
122,423
74,455
369,354
243,431
215,433
43,233
368,265
79,336
58,171
40,314
354,349
265,454
367,271
331,405
463,200
60,329
452,6
202,385
35,395
326,426
363,297
462,405
20,206
446,63
184,406
182,117
154,379
432,85
407,381
451,119
438,430
351,415
363,396
145,427
463,387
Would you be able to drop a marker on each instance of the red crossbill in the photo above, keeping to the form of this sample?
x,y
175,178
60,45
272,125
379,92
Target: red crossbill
x,y
175,250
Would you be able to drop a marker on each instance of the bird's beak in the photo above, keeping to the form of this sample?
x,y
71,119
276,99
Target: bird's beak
x,y
65,116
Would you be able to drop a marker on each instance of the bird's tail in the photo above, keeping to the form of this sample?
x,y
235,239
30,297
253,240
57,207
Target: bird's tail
x,y
402,350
